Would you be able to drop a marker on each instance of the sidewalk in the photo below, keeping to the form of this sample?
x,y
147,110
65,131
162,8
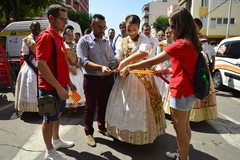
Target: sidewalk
x,y
206,144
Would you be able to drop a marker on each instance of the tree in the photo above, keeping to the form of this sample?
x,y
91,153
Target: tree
x,y
161,23
20,9
83,19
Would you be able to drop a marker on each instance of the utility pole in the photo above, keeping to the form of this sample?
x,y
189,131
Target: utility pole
x,y
229,18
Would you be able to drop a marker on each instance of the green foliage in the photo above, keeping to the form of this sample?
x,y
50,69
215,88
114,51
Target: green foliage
x,y
161,23
83,19
17,10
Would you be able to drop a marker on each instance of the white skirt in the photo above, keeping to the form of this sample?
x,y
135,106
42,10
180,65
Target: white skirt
x,y
129,114
162,85
127,104
77,80
26,89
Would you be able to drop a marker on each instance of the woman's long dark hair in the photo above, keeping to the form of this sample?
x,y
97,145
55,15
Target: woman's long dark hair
x,y
185,27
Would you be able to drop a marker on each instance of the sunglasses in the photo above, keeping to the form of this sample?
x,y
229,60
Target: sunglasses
x,y
63,19
123,27
102,28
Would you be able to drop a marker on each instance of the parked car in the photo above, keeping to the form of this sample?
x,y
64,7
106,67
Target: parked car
x,y
227,65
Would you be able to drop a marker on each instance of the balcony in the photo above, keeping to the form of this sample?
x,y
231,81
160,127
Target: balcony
x,y
145,8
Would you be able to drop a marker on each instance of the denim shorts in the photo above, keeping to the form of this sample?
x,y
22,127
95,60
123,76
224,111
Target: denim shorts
x,y
61,104
183,103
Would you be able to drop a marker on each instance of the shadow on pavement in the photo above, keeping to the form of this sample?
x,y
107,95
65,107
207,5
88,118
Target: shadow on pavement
x,y
152,151
223,126
82,155
203,127
74,118
8,112
233,93
4,100
31,117
6,89
109,155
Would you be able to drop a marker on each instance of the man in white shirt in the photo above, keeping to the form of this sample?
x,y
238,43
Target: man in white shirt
x,y
146,30
111,35
119,37
208,52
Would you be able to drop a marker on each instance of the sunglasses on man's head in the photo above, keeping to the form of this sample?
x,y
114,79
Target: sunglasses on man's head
x,y
102,27
63,19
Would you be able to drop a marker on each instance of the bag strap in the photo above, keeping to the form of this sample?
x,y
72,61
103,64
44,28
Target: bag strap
x,y
208,58
54,51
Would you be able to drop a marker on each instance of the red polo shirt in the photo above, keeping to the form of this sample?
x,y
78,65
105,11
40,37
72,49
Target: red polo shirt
x,y
44,51
182,54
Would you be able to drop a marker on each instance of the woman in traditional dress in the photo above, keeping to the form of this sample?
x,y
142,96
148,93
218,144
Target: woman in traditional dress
x,y
134,112
205,109
75,74
183,54
165,66
26,83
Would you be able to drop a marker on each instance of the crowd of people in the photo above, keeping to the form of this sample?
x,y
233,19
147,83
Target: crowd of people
x,y
129,106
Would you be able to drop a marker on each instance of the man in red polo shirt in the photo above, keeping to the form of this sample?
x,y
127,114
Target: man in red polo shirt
x,y
53,80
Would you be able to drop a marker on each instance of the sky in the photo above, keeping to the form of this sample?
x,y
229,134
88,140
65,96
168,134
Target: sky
x,y
115,11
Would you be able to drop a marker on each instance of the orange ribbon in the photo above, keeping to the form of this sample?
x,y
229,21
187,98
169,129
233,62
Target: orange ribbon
x,y
150,72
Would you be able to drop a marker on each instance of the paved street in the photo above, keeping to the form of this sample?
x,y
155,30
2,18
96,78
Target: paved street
x,y
20,138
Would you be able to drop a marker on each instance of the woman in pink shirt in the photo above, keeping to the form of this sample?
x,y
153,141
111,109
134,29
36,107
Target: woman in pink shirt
x,y
183,56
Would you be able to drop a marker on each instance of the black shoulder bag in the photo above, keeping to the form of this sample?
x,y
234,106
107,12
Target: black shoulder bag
x,y
47,105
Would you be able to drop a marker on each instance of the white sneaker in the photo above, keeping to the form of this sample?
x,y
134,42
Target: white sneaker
x,y
53,155
172,155
62,144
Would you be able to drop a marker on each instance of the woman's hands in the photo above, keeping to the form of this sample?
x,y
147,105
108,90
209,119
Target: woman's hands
x,y
124,72
73,69
121,65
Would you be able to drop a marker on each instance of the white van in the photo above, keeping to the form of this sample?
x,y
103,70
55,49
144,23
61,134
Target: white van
x,y
11,36
227,65
11,39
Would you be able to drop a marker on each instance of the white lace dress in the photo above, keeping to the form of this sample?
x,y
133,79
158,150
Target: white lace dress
x,y
26,83
77,80
130,116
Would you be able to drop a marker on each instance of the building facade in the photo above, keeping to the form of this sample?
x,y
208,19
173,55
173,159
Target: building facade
x,y
154,9
78,5
214,15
